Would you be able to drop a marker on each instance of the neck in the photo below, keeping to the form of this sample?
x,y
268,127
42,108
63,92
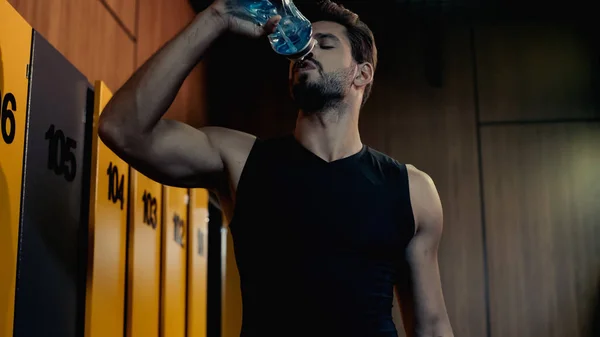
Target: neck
x,y
331,134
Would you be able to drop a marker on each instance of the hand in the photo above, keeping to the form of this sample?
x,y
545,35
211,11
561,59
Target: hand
x,y
232,16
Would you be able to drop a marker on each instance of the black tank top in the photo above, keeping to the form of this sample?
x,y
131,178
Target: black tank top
x,y
319,246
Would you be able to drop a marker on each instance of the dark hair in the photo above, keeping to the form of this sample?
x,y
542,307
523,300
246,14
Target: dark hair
x,y
362,41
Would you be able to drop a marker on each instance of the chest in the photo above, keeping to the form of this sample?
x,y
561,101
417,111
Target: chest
x,y
328,209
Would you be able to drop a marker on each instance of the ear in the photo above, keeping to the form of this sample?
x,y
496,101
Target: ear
x,y
364,75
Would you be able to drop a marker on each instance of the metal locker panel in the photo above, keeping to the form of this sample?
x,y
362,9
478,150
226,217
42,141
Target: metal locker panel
x,y
50,295
143,281
174,263
108,228
197,263
15,55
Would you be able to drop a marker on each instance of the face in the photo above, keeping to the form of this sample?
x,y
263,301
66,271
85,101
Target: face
x,y
325,77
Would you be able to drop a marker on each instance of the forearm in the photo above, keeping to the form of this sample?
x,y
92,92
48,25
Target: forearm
x,y
430,315
435,330
435,334
431,318
139,105
418,325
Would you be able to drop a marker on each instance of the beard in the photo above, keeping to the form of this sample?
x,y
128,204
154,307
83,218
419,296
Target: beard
x,y
321,94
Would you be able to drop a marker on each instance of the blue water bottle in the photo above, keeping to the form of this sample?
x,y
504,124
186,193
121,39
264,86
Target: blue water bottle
x,y
293,36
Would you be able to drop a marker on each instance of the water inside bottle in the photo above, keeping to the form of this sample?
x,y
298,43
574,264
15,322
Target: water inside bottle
x,y
292,34
261,10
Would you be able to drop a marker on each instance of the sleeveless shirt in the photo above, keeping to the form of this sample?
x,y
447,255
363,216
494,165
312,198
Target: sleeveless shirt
x,y
319,245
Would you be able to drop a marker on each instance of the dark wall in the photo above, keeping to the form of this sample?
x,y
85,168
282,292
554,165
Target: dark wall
x,y
502,111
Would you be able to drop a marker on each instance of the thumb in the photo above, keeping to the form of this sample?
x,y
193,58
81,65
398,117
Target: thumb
x,y
271,25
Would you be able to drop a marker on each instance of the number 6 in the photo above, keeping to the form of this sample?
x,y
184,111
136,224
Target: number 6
x,y
8,116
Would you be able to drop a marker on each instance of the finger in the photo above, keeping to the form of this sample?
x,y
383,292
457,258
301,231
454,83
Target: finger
x,y
248,28
271,25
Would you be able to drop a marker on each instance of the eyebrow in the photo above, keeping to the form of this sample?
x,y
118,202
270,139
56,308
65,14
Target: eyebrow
x,y
326,36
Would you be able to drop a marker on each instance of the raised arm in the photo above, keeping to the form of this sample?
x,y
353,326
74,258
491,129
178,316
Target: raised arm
x,y
168,151
420,294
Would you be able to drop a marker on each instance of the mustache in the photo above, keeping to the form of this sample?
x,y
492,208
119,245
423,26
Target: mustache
x,y
315,62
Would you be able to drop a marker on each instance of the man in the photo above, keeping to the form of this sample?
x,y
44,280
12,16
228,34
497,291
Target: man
x,y
324,227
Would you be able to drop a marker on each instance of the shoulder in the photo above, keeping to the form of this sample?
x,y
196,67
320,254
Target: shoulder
x,y
416,178
419,179
422,192
384,163
425,200
380,156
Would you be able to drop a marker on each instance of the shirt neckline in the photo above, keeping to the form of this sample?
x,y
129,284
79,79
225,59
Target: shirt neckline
x,y
351,158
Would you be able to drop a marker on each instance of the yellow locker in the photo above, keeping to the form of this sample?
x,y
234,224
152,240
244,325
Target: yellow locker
x,y
108,228
231,322
143,281
197,263
15,54
174,265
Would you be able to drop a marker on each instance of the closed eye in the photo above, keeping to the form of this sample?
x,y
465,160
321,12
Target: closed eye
x,y
327,47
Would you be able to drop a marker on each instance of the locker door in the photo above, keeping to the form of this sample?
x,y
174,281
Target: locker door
x,y
108,227
15,55
174,262
197,263
50,296
143,281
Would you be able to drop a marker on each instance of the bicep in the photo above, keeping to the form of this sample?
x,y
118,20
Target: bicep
x,y
176,154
